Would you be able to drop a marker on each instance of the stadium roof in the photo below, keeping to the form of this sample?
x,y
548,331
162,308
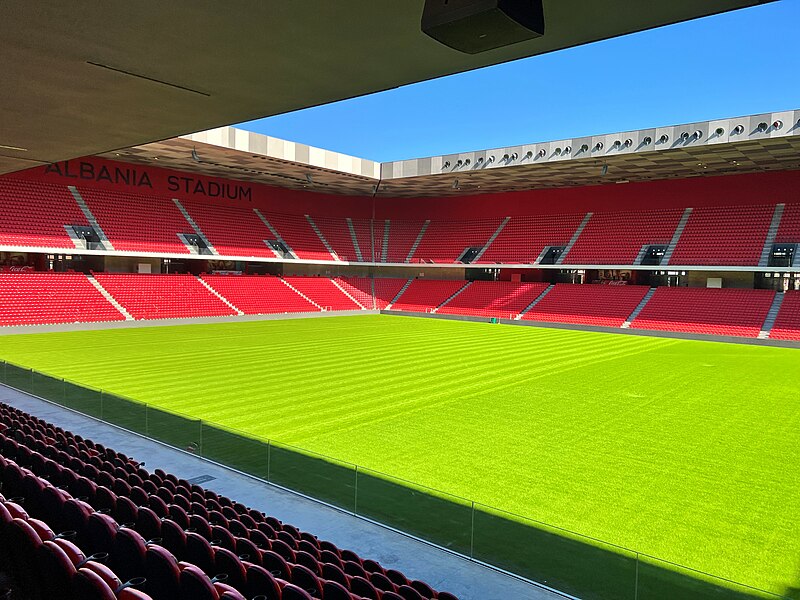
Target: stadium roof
x,y
81,78
748,144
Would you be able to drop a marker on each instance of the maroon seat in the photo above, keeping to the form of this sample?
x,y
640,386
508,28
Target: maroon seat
x,y
163,574
260,582
196,585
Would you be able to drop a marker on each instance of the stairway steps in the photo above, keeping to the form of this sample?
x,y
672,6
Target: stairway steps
x,y
639,308
535,302
206,285
417,241
455,295
346,293
354,239
385,244
275,234
194,226
325,243
400,293
769,322
574,239
90,218
491,239
110,298
772,233
676,236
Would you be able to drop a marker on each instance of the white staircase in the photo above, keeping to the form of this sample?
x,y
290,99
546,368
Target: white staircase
x,y
418,240
491,239
574,239
346,293
90,217
676,237
325,243
771,235
354,239
769,322
400,293
385,244
639,307
458,292
195,226
535,302
218,295
299,293
110,298
275,233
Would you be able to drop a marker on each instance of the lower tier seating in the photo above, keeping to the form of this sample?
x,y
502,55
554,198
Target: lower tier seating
x,y
322,291
501,299
706,310
599,305
163,296
787,325
44,298
202,546
424,295
259,294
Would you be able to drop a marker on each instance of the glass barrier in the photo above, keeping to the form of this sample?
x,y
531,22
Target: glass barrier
x,y
423,512
581,566
235,450
318,476
125,413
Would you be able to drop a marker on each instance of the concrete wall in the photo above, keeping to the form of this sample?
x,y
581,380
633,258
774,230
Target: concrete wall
x,y
128,264
730,279
423,271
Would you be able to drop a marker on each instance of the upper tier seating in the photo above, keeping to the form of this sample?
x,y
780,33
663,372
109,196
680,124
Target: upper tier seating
x,y
259,294
445,241
706,310
323,291
523,239
337,234
789,230
402,235
138,223
51,468
598,305
502,299
787,325
34,214
363,229
233,231
730,235
423,295
42,298
163,296
615,238
297,232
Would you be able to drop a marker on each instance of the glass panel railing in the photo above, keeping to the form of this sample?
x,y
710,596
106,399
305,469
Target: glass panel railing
x,y
83,399
18,378
45,386
125,413
235,450
174,429
582,567
429,514
318,476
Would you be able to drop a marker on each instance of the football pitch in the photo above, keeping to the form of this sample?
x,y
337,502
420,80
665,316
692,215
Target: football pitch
x,y
688,451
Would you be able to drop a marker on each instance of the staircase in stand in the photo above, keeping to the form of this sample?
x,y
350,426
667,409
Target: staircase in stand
x,y
110,298
491,239
299,293
354,239
194,225
325,243
771,235
639,307
676,236
218,295
90,217
574,239
535,302
400,293
275,234
385,243
346,293
418,240
461,289
769,322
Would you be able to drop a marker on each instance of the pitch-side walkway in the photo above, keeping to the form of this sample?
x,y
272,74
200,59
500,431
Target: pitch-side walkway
x,y
439,568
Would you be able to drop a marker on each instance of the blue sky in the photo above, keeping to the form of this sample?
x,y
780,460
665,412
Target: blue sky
x,y
733,64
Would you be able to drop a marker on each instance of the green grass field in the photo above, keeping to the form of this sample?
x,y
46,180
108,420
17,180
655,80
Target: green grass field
x,y
689,451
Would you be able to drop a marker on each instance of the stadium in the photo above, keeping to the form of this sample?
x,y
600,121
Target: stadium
x,y
238,367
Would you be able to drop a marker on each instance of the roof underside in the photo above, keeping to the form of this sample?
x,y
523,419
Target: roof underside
x,y
81,78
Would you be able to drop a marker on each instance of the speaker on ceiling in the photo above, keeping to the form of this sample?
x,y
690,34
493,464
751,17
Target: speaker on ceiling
x,y
474,26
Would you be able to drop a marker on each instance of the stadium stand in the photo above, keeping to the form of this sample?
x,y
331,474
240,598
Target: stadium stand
x,y
337,234
68,482
138,223
402,236
363,228
43,298
301,237
730,235
386,290
34,214
425,295
323,291
738,312
787,324
360,288
233,231
163,296
789,230
446,241
617,238
599,305
523,239
502,299
259,294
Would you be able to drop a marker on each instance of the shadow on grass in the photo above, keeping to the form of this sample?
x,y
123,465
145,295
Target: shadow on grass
x,y
587,568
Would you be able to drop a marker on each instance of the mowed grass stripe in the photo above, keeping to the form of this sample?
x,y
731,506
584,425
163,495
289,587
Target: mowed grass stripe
x,y
684,450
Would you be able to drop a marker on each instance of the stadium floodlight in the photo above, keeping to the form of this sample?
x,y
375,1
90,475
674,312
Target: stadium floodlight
x,y
467,162
557,152
598,146
514,156
685,136
490,159
698,134
617,143
628,143
647,140
762,127
567,150
529,154
455,185
446,164
584,147
777,124
505,157
542,153
720,131
459,162
738,129
195,156
663,139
